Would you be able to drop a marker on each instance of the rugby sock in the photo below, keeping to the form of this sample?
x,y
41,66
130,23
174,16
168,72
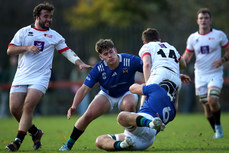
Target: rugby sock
x,y
76,133
216,116
20,137
33,130
212,122
142,121
117,145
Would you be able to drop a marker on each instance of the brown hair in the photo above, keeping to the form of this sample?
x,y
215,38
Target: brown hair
x,y
204,11
103,44
42,6
150,35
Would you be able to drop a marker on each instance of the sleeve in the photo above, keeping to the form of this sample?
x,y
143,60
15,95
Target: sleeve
x,y
92,77
224,40
138,63
18,37
144,50
189,46
60,46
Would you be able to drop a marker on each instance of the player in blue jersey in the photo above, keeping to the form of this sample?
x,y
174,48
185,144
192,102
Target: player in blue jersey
x,y
141,128
115,74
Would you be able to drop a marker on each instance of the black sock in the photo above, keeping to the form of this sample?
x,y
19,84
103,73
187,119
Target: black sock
x,y
216,116
142,121
212,122
76,133
20,136
117,145
33,130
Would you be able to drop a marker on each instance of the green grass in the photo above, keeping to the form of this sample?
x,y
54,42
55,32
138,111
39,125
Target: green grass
x,y
187,133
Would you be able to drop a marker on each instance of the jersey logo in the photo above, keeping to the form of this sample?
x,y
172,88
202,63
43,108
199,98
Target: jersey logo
x,y
211,38
125,70
126,62
46,35
204,49
100,68
39,44
104,76
30,34
88,78
114,74
162,45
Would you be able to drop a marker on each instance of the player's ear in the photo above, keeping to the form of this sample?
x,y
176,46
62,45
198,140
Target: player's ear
x,y
100,56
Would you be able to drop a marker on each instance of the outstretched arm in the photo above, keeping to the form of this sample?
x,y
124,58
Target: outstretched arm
x,y
72,57
79,96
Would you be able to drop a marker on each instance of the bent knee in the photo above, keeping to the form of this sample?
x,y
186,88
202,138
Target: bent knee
x,y
121,117
100,141
129,106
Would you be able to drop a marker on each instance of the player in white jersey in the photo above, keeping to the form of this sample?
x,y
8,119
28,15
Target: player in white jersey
x,y
207,44
161,61
35,45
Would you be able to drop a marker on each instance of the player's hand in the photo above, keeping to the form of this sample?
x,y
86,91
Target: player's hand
x,y
217,63
185,79
33,49
82,65
71,110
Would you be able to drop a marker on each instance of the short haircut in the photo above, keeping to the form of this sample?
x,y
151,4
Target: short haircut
x,y
42,6
204,11
103,44
150,35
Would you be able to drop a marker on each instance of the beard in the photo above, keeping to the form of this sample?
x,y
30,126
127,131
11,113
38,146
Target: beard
x,y
44,26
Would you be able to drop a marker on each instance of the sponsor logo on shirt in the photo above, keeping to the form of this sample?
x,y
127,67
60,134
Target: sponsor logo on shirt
x,y
204,49
39,44
211,38
46,35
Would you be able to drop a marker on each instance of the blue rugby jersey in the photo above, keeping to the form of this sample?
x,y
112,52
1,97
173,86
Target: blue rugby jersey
x,y
158,103
115,82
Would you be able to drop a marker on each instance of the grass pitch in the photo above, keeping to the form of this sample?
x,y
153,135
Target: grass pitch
x,y
187,133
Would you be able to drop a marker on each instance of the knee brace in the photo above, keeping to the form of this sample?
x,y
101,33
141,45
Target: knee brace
x,y
214,92
203,99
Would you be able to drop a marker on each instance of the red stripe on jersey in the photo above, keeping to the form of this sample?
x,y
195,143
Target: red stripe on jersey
x,y
10,45
63,50
146,53
189,50
39,29
225,45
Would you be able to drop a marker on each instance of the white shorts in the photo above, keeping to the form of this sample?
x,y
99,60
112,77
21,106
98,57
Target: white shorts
x,y
142,136
24,88
203,82
115,102
161,73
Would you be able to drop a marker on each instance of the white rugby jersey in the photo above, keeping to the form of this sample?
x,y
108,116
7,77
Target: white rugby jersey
x,y
36,69
207,48
162,55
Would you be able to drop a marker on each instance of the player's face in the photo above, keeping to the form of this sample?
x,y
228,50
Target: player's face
x,y
109,56
45,19
204,21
